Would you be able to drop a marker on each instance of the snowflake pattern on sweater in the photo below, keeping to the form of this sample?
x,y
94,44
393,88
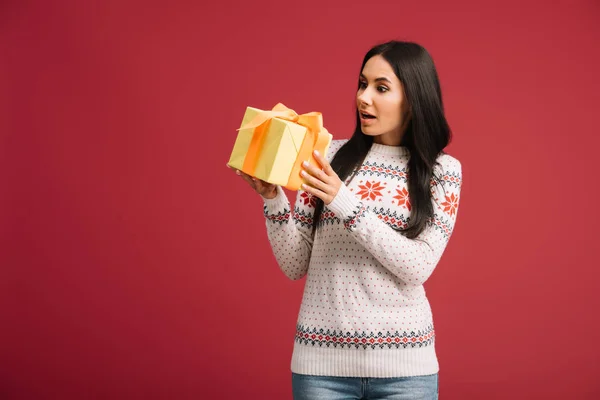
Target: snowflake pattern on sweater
x,y
364,287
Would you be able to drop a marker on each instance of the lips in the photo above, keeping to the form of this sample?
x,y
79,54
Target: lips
x,y
366,115
367,119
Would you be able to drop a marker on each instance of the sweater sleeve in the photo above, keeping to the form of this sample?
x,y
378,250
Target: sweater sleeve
x,y
290,230
411,260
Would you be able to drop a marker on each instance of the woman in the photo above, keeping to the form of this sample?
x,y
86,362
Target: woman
x,y
386,203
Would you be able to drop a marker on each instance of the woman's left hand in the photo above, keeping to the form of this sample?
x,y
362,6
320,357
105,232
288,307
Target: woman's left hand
x,y
323,183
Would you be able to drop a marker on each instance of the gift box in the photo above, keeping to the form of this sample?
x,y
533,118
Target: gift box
x,y
272,144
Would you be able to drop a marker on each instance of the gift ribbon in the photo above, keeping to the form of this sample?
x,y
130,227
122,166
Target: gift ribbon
x,y
316,138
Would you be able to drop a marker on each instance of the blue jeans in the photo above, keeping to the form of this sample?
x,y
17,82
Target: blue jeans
x,y
310,387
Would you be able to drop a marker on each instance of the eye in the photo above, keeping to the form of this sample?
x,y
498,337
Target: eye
x,y
382,89
362,84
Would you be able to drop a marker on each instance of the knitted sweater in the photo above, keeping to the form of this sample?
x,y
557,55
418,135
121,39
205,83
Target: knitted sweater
x,y
364,312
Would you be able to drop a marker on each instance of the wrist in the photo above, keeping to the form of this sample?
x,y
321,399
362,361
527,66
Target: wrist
x,y
277,203
344,203
271,194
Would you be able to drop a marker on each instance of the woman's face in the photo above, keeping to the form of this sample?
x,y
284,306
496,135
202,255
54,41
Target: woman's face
x,y
381,103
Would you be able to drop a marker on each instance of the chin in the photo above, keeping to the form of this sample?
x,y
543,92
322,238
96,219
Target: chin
x,y
369,132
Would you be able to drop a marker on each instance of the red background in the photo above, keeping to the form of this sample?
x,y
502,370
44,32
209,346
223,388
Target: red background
x,y
134,264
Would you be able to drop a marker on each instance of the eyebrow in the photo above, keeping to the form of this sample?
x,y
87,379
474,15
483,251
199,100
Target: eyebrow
x,y
377,79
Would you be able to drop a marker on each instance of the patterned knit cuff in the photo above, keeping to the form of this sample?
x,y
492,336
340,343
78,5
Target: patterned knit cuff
x,y
345,204
279,204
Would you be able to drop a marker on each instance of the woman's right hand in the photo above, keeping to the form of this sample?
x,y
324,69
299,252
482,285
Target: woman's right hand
x,y
265,189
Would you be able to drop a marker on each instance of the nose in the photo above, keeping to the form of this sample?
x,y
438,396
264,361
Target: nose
x,y
364,98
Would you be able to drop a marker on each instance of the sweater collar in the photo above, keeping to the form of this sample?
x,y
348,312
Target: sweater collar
x,y
389,150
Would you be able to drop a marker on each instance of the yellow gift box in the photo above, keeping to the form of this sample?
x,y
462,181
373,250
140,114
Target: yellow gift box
x,y
272,144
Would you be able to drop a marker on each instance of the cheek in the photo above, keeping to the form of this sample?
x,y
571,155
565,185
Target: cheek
x,y
392,113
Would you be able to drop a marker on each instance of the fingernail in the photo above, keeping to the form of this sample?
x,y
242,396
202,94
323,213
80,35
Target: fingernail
x,y
305,163
303,173
237,171
317,152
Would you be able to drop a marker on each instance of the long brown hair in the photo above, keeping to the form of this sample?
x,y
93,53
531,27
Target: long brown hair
x,y
426,135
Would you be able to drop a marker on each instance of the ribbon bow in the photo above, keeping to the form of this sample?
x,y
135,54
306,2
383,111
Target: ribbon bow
x,y
317,137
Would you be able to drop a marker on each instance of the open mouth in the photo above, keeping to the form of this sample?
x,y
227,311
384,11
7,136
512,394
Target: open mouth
x,y
366,115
